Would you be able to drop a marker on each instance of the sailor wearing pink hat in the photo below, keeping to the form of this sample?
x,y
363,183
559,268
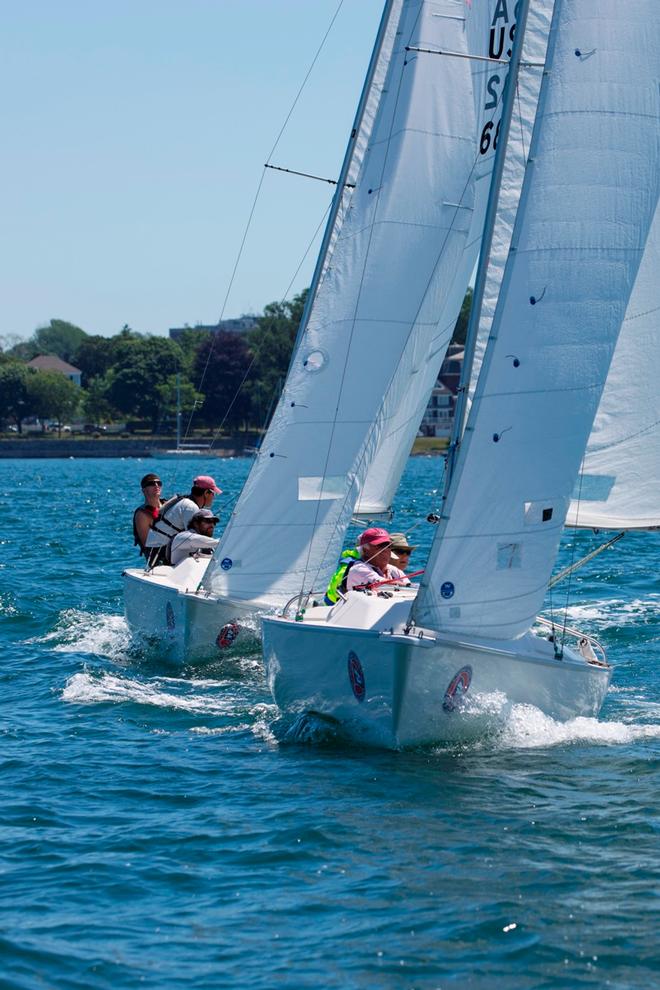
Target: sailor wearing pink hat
x,y
177,512
374,564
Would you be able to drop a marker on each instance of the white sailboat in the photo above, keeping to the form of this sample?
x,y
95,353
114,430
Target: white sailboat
x,y
422,666
400,245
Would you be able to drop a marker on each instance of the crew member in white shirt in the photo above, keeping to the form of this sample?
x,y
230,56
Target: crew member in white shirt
x,y
197,539
374,565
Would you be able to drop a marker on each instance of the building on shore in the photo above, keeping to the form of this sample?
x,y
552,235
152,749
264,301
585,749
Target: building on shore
x,y
50,362
438,418
239,324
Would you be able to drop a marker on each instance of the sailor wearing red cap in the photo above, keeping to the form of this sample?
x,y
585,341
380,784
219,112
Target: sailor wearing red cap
x,y
374,565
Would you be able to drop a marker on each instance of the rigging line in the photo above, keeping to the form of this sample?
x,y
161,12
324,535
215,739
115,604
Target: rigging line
x,y
585,560
571,567
520,122
258,346
308,175
304,82
474,58
256,197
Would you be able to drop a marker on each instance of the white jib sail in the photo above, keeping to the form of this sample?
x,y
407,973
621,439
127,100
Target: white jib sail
x,y
619,485
588,200
397,245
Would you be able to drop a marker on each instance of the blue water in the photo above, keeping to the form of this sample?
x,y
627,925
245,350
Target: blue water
x,y
158,829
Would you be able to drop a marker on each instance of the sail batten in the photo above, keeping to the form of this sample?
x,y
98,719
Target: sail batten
x,y
587,203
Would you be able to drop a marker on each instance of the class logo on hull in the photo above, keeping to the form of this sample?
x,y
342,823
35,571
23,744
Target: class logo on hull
x,y
458,686
356,676
227,635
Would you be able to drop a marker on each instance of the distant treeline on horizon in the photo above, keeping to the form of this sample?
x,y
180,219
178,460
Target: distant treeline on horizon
x,y
216,378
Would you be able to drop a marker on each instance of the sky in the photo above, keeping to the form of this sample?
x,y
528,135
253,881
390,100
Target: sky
x,y
135,138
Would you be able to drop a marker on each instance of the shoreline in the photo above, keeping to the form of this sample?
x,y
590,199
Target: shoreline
x,y
53,447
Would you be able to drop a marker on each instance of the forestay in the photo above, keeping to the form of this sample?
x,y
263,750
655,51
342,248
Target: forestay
x,y
619,485
398,241
587,203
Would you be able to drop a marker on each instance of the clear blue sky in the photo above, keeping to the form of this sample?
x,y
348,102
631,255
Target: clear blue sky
x,y
134,139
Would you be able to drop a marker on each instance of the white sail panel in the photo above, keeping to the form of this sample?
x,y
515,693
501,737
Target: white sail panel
x,y
533,55
396,248
619,485
588,200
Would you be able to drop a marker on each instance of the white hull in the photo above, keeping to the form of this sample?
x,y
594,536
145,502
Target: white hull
x,y
164,605
392,689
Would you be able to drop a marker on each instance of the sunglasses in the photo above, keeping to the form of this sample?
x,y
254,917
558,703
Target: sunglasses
x,y
154,484
403,553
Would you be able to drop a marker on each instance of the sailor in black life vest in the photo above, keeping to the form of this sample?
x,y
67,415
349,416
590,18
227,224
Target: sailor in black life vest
x,y
176,513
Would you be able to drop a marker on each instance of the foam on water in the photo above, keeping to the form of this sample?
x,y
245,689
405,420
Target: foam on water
x,y
529,728
102,634
91,687
616,611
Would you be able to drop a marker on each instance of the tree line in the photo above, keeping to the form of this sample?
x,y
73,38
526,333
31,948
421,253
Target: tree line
x,y
225,379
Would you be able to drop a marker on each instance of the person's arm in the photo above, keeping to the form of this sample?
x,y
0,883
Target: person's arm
x,y
396,573
360,575
143,523
188,543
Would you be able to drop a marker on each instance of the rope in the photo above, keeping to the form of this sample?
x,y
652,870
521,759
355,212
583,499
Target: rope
x,y
252,210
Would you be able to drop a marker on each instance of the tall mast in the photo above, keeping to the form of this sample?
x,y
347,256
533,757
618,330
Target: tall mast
x,y
472,331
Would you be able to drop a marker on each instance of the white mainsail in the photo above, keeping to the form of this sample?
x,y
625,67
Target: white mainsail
x,y
619,485
534,49
397,243
587,203
489,28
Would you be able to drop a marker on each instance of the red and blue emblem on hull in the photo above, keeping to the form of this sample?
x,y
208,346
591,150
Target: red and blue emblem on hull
x,y
356,676
458,686
227,635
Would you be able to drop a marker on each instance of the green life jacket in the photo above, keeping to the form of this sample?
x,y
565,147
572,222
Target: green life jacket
x,y
338,579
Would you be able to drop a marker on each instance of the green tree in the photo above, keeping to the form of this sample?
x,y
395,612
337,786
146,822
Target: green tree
x,y
140,366
190,342
94,356
60,338
95,404
189,398
463,317
21,350
221,366
14,397
52,395
271,343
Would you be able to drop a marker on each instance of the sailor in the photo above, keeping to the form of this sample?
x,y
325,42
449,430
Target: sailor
x,y
196,539
338,580
400,551
145,517
176,513
374,565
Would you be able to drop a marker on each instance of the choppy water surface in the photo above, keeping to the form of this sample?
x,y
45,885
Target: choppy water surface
x,y
161,830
